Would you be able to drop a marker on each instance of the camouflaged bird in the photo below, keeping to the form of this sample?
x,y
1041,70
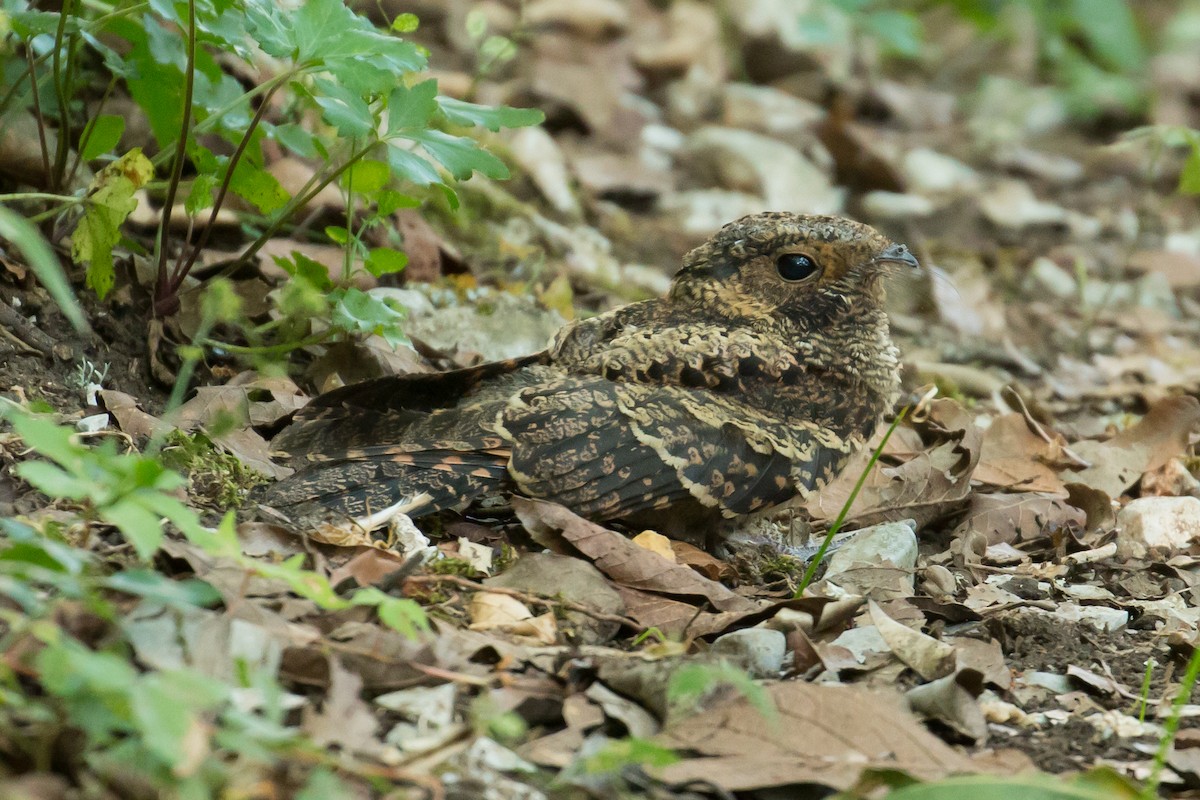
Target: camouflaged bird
x,y
766,366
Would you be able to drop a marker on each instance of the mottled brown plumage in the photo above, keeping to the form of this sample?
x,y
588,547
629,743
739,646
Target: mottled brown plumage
x,y
751,382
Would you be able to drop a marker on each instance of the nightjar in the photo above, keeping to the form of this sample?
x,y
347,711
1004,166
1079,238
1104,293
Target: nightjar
x,y
753,381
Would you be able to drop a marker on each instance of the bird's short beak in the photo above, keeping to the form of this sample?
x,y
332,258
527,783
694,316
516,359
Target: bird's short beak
x,y
899,254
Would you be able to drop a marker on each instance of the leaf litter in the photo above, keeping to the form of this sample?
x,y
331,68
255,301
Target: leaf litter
x,y
1044,577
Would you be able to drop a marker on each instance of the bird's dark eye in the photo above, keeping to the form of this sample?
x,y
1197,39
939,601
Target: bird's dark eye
x,y
795,266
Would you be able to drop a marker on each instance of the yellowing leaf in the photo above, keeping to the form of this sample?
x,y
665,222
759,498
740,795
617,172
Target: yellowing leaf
x,y
110,200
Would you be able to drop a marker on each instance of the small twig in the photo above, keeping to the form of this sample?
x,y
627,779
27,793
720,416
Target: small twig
x,y
1010,395
24,330
525,597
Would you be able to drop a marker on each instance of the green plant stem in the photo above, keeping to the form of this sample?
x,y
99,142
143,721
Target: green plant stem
x,y
273,349
206,124
18,197
310,190
1145,693
38,116
165,299
184,267
1150,790
60,88
89,129
815,562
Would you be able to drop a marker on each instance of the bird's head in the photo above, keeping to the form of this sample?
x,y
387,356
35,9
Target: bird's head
x,y
795,265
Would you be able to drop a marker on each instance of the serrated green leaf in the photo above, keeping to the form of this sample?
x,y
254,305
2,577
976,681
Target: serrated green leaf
x,y
491,117
460,155
55,442
358,312
106,132
411,108
151,585
343,109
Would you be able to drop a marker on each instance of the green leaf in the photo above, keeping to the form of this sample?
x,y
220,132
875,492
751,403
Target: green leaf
x,y
407,164
899,31
460,155
358,312
29,240
106,132
258,187
343,109
389,202
491,117
152,585
294,137
110,200
201,195
337,234
53,481
411,108
1112,31
366,176
1189,177
138,525
164,719
405,23
307,270
384,261
53,441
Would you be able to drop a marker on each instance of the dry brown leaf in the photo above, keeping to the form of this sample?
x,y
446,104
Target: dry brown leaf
x,y
1160,436
369,566
934,481
824,735
952,701
622,560
1015,458
344,719
130,418
1009,518
928,657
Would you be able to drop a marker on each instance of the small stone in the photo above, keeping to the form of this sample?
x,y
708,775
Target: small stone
x,y
896,206
759,651
691,36
768,110
542,159
699,212
1012,205
1048,167
1169,524
893,543
92,424
930,172
497,326
750,162
593,19
1099,617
